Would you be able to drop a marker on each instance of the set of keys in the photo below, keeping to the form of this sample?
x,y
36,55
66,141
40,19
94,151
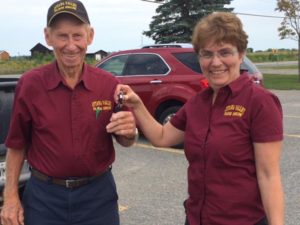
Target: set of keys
x,y
120,102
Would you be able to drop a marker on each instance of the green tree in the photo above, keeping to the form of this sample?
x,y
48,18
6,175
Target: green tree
x,y
249,50
290,25
176,19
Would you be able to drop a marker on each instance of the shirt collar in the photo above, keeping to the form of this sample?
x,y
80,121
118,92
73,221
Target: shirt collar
x,y
240,83
53,77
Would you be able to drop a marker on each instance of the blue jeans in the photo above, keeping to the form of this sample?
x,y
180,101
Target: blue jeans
x,y
95,203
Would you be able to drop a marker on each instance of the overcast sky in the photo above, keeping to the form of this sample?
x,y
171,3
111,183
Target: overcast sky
x,y
119,24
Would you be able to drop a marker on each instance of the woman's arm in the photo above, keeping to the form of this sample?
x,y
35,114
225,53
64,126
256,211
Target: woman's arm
x,y
157,134
267,158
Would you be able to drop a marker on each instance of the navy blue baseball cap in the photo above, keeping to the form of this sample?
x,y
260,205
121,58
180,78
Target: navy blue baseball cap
x,y
72,7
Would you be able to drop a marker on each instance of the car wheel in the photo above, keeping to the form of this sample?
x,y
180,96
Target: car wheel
x,y
167,114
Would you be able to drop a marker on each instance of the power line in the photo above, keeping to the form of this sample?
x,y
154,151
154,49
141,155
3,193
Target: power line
x,y
250,14
245,14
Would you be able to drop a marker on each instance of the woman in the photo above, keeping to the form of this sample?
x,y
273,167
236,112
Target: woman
x,y
232,133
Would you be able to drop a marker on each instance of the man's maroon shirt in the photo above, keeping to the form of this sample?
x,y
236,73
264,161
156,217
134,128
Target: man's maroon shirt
x,y
63,130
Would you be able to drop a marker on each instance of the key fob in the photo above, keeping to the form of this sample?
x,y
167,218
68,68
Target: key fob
x,y
119,105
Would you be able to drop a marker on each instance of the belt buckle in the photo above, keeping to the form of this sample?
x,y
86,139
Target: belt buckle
x,y
69,183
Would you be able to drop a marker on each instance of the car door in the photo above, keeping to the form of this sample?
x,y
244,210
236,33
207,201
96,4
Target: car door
x,y
145,73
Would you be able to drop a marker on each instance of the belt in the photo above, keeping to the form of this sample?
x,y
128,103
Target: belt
x,y
68,183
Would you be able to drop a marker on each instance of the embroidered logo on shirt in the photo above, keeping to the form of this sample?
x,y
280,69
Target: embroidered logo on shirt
x,y
101,105
234,110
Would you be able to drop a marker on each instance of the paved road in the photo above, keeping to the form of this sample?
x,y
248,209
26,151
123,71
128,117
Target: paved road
x,y
270,67
291,154
152,181
280,63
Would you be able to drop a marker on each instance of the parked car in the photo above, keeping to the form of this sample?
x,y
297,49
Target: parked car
x,y
165,76
7,86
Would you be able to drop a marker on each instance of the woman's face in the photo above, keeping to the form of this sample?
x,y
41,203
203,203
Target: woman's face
x,y
220,63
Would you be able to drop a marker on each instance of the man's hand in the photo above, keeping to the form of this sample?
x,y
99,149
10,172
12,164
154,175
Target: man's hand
x,y
12,212
122,124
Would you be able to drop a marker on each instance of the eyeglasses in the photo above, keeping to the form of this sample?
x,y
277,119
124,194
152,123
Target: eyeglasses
x,y
222,54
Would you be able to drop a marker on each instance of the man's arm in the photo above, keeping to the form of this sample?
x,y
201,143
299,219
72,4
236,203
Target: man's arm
x,y
12,211
267,157
127,141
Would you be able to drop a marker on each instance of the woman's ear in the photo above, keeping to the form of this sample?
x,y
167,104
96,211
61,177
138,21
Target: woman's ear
x,y
242,56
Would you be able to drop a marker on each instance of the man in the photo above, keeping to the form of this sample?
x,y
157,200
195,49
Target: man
x,y
59,121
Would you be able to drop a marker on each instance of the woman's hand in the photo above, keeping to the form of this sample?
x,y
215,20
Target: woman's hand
x,y
131,99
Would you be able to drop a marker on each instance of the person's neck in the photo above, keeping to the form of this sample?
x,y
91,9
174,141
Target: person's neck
x,y
71,75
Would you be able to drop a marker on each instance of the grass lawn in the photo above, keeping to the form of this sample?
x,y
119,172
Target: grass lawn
x,y
281,82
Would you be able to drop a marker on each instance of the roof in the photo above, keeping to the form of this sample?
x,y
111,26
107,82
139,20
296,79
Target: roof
x,y
40,47
100,51
169,45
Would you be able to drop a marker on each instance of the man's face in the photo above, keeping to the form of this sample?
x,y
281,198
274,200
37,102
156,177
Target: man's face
x,y
69,39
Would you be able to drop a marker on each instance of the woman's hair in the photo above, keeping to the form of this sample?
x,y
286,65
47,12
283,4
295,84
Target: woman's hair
x,y
220,27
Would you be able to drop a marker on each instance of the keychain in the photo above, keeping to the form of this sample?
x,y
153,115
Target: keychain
x,y
120,103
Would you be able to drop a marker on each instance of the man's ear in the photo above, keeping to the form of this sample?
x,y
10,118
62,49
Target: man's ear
x,y
90,35
47,36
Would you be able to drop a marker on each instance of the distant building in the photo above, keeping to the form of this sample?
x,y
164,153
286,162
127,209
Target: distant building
x,y
40,49
4,55
97,55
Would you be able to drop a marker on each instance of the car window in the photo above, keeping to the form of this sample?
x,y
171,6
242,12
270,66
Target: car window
x,y
145,64
189,59
115,65
249,66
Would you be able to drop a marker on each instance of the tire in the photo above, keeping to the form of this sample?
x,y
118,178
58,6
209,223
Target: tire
x,y
166,116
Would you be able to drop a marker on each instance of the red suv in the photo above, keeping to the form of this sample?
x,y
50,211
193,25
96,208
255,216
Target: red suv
x,y
165,76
